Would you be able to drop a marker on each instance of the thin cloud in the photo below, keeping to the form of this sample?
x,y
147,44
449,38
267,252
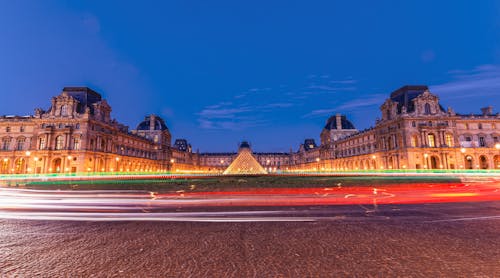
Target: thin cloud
x,y
354,104
345,81
330,88
483,80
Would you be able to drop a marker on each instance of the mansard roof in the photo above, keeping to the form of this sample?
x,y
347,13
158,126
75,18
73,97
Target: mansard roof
x,y
404,96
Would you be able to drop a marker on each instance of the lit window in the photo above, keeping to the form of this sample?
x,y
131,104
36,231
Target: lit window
x,y
414,141
431,140
59,142
449,140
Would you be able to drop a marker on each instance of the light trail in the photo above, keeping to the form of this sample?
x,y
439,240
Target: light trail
x,y
136,205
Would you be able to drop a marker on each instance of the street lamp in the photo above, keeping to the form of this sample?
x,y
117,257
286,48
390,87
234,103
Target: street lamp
x,y
462,150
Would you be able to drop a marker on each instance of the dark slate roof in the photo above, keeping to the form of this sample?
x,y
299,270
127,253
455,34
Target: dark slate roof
x,y
404,97
181,144
309,144
158,122
332,123
85,96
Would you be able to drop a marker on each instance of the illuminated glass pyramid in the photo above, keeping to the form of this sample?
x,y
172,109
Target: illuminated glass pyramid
x,y
245,163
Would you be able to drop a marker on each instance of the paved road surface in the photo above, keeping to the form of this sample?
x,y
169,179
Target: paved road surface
x,y
424,240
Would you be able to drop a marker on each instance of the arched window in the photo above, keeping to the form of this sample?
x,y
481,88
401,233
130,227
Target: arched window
x,y
20,143
427,109
431,140
64,110
59,142
5,143
449,140
388,114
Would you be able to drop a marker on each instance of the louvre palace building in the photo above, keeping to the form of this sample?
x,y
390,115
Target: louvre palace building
x,y
77,135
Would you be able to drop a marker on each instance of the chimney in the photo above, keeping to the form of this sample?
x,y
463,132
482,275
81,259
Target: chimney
x,y
152,120
339,121
487,111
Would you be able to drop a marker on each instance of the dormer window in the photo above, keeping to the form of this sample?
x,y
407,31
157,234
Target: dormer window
x,y
64,110
427,109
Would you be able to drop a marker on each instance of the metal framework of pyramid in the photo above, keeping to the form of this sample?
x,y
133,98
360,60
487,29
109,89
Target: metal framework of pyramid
x,y
245,164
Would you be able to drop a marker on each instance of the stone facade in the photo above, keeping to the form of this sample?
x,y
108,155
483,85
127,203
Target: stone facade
x,y
415,132
77,134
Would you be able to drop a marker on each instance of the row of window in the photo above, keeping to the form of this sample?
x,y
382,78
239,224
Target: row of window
x,y
479,126
431,140
10,129
20,144
60,125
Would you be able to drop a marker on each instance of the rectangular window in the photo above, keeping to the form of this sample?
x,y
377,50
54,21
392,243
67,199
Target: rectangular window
x,y
76,144
449,140
481,142
468,139
41,144
413,141
431,140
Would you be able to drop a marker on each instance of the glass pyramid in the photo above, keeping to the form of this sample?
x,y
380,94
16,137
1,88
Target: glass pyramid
x,y
245,164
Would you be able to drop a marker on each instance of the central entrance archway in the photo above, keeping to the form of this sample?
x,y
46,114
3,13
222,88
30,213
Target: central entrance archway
x,y
434,162
469,162
56,165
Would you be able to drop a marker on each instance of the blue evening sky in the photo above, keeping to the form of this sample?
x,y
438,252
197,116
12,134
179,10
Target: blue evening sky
x,y
270,72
